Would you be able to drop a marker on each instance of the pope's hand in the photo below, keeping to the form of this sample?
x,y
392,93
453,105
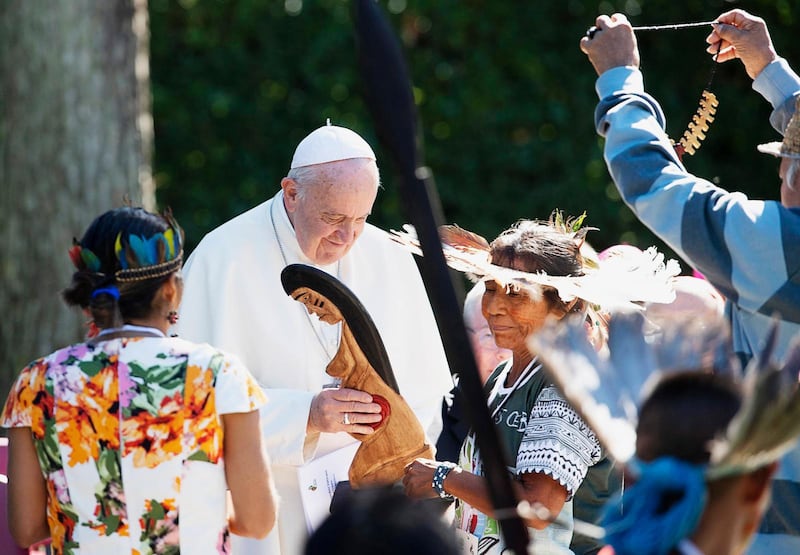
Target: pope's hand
x,y
343,410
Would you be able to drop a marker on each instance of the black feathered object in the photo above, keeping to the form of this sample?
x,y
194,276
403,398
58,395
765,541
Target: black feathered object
x,y
388,94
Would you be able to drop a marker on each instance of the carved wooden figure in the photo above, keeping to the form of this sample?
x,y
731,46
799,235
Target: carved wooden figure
x,y
399,437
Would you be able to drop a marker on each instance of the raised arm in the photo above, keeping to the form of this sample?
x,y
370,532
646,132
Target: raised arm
x,y
746,37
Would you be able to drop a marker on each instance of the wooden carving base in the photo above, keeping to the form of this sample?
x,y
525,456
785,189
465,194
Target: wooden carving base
x,y
383,455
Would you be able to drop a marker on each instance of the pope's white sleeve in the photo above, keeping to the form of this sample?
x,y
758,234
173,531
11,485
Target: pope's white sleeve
x,y
283,424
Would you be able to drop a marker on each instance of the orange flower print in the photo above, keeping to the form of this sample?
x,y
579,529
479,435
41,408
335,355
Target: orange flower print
x,y
201,408
155,439
90,422
61,520
30,397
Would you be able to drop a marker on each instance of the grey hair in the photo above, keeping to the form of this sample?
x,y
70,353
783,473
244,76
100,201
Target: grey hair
x,y
791,173
472,303
307,176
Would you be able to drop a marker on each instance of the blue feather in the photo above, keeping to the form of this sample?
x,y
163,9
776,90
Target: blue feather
x,y
152,249
140,249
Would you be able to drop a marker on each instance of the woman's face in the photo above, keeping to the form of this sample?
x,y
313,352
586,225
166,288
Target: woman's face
x,y
512,315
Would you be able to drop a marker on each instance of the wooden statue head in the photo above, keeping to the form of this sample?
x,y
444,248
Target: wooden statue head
x,y
328,298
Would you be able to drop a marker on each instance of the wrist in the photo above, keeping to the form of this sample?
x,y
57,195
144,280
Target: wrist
x,y
757,67
439,476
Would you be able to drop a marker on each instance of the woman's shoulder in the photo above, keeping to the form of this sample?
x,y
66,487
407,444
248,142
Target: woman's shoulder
x,y
218,361
202,354
237,389
70,354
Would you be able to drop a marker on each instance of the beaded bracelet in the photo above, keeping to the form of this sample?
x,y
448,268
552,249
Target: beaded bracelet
x,y
439,475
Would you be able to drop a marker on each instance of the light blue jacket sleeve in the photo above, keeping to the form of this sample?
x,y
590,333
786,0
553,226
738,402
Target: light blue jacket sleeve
x,y
726,236
779,85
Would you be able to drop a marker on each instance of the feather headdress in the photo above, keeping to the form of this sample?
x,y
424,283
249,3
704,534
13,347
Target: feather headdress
x,y
139,257
146,258
83,258
619,282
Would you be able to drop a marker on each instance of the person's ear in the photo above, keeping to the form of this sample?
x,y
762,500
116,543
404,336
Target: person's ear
x,y
290,193
757,484
171,289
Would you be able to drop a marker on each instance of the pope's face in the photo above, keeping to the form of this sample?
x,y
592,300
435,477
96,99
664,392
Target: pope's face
x,y
330,214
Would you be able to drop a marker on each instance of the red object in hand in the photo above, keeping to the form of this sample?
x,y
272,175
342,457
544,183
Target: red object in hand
x,y
386,410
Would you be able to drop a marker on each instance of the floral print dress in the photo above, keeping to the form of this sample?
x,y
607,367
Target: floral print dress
x,y
129,439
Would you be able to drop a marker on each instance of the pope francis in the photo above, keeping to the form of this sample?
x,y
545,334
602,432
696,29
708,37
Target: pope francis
x,y
234,300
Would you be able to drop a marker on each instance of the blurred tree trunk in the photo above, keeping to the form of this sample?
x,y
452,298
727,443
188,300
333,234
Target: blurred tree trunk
x,y
75,141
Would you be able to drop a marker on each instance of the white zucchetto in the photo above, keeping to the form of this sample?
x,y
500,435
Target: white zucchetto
x,y
330,143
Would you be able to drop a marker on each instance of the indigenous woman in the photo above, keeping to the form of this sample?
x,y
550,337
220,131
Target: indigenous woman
x,y
127,443
552,448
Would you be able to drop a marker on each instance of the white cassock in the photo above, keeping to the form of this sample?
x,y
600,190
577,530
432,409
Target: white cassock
x,y
233,299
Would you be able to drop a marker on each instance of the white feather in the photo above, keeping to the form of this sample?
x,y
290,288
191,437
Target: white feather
x,y
619,283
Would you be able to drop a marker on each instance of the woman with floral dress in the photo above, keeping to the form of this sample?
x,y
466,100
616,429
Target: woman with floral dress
x,y
130,442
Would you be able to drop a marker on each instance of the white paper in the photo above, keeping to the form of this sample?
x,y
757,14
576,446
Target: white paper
x,y
317,480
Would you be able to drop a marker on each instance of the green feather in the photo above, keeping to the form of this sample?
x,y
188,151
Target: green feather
x,y
90,260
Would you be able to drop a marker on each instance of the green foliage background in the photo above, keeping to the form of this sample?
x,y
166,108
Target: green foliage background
x,y
505,96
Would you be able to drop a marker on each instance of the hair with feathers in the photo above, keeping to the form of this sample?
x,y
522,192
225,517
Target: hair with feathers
x,y
552,247
626,282
128,248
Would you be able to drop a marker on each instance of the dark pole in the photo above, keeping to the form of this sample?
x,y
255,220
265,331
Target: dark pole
x,y
388,95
